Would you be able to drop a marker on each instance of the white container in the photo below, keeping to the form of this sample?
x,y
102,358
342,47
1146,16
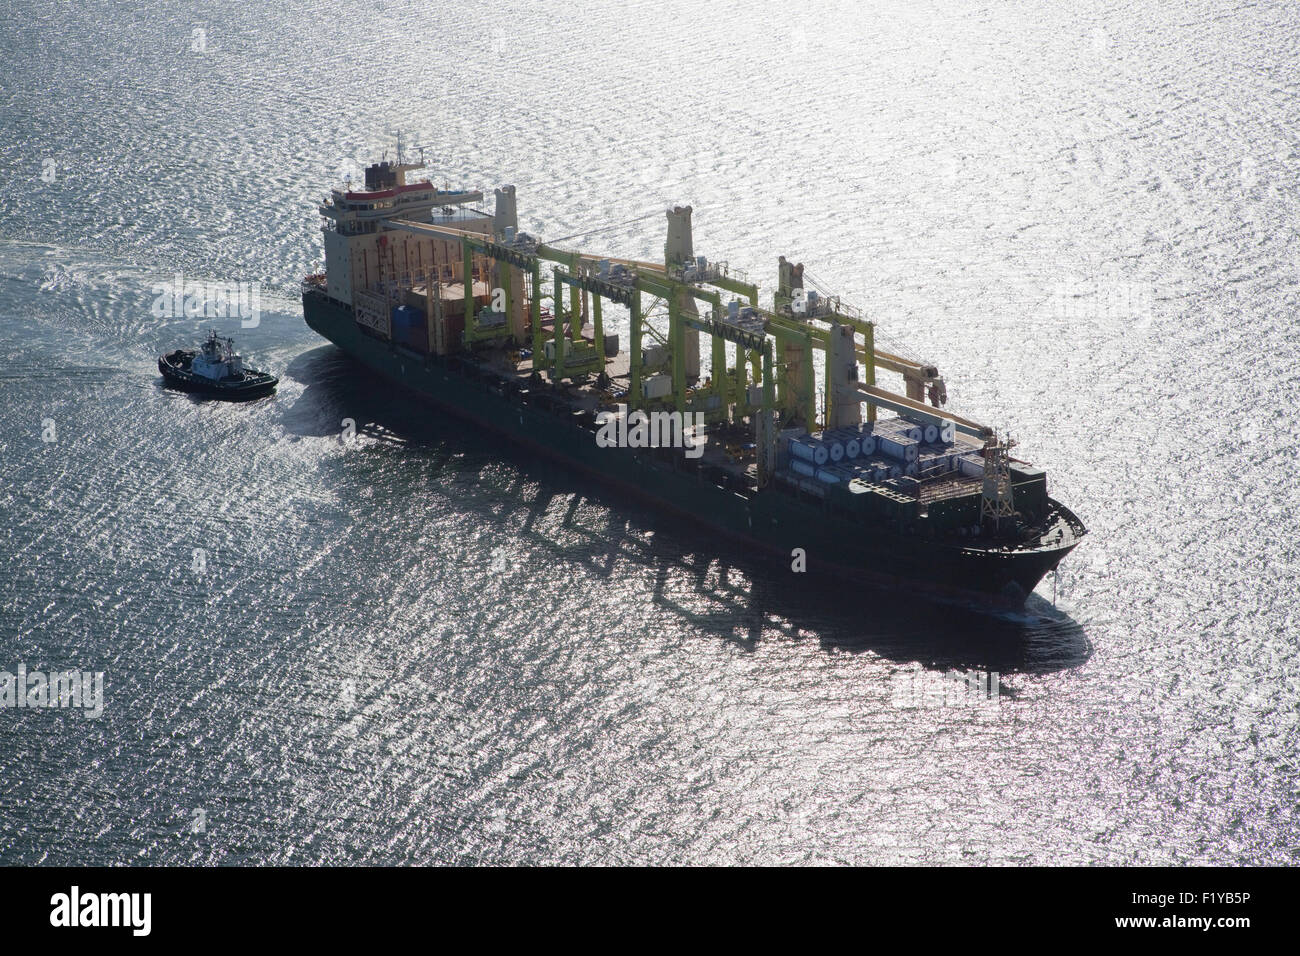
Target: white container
x,y
931,433
801,467
972,466
656,386
899,428
565,348
948,433
809,449
654,357
901,448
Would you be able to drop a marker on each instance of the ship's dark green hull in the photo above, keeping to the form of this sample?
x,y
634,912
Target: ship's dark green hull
x,y
776,521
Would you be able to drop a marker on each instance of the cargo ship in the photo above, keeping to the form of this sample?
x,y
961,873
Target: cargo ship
x,y
761,422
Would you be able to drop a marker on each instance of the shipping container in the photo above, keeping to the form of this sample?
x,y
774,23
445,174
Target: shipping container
x,y
896,446
654,386
809,449
972,466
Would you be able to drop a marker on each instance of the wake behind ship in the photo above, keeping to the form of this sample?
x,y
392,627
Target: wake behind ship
x,y
457,305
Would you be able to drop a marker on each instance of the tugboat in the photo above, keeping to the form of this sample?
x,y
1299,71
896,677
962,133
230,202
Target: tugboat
x,y
215,370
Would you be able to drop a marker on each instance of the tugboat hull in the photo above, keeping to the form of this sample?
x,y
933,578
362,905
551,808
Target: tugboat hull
x,y
174,367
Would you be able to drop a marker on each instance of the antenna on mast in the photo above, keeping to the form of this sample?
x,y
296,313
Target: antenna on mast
x,y
422,147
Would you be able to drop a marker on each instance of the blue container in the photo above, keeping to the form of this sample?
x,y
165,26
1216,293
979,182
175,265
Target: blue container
x,y
406,317
409,328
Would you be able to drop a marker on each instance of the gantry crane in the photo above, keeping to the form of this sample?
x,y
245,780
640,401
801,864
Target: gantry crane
x,y
799,322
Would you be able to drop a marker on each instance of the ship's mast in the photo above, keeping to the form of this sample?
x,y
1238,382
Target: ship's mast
x,y
997,504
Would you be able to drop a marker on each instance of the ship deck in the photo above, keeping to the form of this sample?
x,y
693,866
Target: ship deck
x,y
892,532
729,448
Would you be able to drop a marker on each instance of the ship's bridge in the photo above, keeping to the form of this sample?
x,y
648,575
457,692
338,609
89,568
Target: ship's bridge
x,y
387,195
354,212
362,254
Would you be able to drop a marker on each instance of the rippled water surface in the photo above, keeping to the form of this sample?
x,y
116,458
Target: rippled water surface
x,y
421,647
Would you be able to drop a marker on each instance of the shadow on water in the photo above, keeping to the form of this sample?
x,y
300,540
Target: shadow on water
x,y
746,597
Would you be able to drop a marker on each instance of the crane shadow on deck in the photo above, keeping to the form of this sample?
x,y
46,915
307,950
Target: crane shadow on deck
x,y
716,586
